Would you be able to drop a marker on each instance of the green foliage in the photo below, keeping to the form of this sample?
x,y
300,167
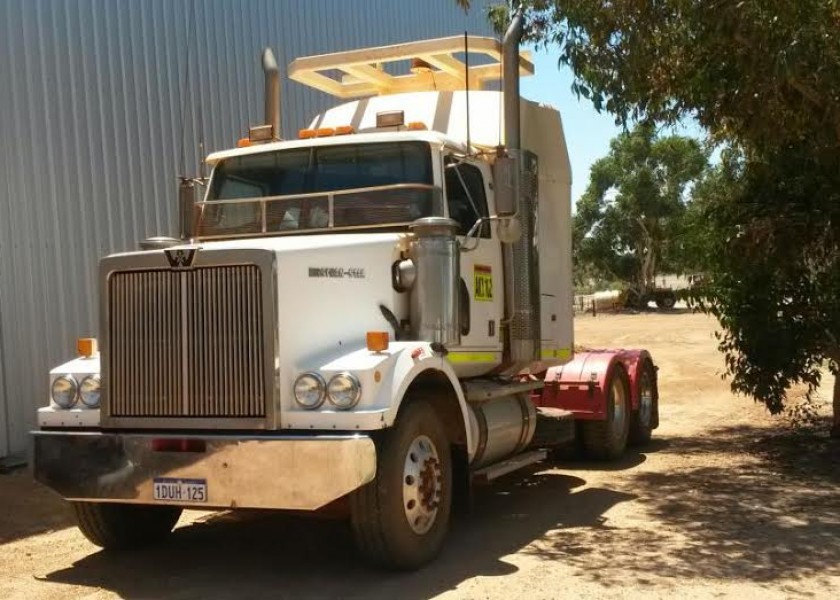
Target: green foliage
x,y
761,72
763,78
629,222
772,256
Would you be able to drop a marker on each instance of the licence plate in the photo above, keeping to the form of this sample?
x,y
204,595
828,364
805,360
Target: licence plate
x,y
170,489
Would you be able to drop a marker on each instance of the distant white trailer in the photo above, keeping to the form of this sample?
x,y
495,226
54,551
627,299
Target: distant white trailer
x,y
597,302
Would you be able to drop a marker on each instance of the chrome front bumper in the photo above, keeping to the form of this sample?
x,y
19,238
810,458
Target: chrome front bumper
x,y
285,472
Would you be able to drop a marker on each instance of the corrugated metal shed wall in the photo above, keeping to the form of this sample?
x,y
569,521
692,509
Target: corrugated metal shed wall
x,y
92,95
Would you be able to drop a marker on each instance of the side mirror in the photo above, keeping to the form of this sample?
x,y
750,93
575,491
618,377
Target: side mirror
x,y
509,230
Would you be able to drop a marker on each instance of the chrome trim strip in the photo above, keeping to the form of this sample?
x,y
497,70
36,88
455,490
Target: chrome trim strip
x,y
264,199
329,195
186,348
241,236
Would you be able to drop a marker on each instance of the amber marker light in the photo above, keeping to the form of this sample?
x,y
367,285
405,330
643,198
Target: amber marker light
x,y
305,134
377,341
344,130
86,346
243,143
417,126
325,132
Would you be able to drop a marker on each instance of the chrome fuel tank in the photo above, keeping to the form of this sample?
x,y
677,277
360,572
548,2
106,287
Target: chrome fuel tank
x,y
503,427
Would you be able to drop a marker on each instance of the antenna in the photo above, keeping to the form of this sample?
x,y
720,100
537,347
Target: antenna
x,y
501,102
189,15
467,82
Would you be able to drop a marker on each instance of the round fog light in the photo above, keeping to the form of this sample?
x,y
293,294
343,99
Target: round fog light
x,y
64,391
344,390
89,391
310,389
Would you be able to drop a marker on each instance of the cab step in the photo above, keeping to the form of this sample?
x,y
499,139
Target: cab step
x,y
514,463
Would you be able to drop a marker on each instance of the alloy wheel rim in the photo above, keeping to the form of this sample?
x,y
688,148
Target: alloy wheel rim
x,y
422,484
619,407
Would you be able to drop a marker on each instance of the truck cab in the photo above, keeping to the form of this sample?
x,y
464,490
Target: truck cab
x,y
372,183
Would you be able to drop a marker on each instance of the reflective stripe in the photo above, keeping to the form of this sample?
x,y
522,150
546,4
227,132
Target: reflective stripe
x,y
470,357
559,353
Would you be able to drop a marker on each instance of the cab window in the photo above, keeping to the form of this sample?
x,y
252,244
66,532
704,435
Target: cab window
x,y
465,195
381,185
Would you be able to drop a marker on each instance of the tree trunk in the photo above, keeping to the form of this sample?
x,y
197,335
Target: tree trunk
x,y
835,429
647,257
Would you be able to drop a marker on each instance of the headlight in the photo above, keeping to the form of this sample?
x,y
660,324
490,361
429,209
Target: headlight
x,y
344,390
89,391
310,389
65,391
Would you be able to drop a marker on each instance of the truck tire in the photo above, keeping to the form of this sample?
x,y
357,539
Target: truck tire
x,y
124,526
401,518
607,439
645,418
635,299
666,300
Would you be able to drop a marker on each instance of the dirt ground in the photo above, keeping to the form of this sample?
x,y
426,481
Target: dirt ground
x,y
726,502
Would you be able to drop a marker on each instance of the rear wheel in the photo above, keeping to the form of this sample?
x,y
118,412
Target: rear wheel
x,y
401,518
607,439
666,300
123,526
644,419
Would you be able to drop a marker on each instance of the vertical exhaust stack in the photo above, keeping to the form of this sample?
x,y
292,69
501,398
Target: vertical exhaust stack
x,y
272,93
186,208
510,82
522,285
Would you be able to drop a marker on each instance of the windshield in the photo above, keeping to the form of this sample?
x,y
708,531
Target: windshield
x,y
324,187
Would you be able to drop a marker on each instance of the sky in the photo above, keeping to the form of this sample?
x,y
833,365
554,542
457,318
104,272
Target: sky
x,y
588,133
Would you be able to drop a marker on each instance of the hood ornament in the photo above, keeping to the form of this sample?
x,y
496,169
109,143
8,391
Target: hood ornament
x,y
180,258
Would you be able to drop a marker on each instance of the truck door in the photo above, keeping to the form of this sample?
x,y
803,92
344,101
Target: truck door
x,y
467,189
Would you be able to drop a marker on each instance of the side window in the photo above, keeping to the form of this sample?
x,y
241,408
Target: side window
x,y
465,195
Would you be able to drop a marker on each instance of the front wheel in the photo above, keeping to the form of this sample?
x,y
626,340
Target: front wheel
x,y
124,526
401,518
607,439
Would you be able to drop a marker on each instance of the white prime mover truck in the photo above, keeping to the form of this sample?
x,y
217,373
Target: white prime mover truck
x,y
366,320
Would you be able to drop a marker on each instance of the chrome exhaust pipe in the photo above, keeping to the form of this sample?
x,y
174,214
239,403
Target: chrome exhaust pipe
x,y
510,83
521,259
272,93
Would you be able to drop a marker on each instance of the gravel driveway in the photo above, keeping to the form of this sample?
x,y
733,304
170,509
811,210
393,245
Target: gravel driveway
x,y
726,502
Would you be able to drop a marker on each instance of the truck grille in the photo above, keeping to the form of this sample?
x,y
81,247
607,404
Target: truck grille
x,y
186,343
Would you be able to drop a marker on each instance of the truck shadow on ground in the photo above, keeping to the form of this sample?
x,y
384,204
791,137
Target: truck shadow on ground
x,y
772,513
769,513
252,554
29,509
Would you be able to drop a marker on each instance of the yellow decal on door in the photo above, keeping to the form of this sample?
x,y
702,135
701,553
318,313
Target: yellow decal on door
x,y
483,283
